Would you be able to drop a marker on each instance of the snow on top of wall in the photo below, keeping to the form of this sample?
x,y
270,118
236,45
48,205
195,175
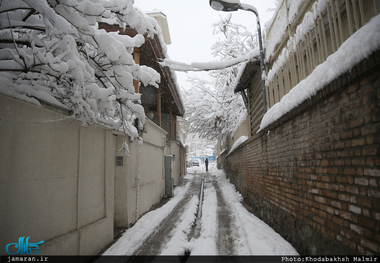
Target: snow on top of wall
x,y
222,152
356,48
237,143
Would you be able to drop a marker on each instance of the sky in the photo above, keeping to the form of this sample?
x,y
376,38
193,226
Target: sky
x,y
190,25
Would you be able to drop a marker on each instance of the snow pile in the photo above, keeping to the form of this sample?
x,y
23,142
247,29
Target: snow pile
x,y
216,172
255,237
237,143
356,48
135,236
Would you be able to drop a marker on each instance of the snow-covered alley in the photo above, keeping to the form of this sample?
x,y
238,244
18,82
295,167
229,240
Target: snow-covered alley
x,y
219,225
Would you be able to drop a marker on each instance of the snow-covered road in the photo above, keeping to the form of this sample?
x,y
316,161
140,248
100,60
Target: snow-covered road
x,y
225,227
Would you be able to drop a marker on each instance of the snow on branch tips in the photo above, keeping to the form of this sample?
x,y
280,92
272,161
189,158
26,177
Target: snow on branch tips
x,y
213,109
53,51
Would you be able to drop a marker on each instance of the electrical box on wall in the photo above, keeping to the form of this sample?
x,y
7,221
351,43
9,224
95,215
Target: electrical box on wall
x,y
119,160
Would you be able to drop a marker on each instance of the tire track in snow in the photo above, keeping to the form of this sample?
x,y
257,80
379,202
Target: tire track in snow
x,y
225,238
206,243
159,240
133,238
179,244
253,236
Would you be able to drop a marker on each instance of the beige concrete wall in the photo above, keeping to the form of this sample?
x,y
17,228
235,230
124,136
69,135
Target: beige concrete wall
x,y
59,182
56,180
146,161
242,130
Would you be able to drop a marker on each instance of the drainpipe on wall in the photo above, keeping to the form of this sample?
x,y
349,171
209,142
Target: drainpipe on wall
x,y
245,99
138,184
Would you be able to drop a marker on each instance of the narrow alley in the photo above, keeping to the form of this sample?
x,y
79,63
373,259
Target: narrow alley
x,y
205,217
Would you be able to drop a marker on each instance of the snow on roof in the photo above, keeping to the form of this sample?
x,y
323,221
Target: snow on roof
x,y
275,29
356,48
163,23
269,23
244,77
285,14
277,34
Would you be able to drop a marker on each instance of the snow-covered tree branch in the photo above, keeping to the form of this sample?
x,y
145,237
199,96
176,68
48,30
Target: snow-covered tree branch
x,y
211,65
213,109
53,51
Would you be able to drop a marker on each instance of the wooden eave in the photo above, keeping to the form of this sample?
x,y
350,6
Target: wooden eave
x,y
167,82
251,69
151,53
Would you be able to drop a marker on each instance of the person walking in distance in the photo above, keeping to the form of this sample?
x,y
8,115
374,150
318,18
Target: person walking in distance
x,y
206,163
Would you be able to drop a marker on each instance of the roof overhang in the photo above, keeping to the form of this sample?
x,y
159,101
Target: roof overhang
x,y
250,70
151,53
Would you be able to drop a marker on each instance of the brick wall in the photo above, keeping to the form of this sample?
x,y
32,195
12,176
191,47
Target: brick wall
x,y
314,174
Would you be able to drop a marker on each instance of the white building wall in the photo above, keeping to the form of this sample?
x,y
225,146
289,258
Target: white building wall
x,y
242,130
147,162
59,182
56,181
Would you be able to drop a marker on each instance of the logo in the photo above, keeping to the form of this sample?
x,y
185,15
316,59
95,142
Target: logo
x,y
23,247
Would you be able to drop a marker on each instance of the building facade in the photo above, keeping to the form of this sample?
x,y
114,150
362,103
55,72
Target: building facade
x,y
310,170
69,185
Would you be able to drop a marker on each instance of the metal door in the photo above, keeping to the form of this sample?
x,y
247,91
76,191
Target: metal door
x,y
169,181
